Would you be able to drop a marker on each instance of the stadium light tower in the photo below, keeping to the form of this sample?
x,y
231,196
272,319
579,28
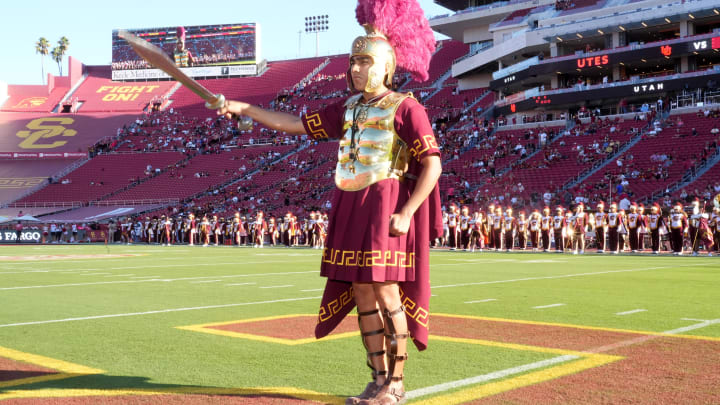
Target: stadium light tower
x,y
316,24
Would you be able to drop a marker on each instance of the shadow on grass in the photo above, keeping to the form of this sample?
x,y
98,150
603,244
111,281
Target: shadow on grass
x,y
142,387
9,375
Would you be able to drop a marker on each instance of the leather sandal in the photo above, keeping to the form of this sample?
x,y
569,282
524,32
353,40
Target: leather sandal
x,y
372,388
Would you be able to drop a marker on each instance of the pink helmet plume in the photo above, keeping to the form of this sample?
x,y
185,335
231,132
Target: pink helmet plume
x,y
404,24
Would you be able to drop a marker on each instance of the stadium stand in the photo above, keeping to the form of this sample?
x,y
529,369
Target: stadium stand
x,y
98,93
200,173
662,158
258,90
30,98
102,175
17,177
576,151
447,51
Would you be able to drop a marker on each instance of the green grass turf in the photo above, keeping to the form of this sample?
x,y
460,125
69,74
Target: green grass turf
x,y
147,350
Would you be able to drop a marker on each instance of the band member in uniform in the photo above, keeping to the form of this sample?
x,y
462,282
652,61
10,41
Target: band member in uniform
x,y
167,228
509,227
284,229
497,221
216,229
295,231
205,231
259,230
546,222
642,227
568,232
273,232
534,227
599,224
453,219
622,230
633,227
655,222
236,227
464,228
373,210
559,224
613,232
490,226
578,227
678,227
699,230
477,232
521,230
192,227
715,226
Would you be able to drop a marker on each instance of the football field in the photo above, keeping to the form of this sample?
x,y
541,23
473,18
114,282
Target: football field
x,y
148,324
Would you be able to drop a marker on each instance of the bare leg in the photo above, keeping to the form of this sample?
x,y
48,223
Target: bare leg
x,y
372,332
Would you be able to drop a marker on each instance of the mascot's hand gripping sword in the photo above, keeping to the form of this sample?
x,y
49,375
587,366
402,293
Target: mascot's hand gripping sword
x,y
157,58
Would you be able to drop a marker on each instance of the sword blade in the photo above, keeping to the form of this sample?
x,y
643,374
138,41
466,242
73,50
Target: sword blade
x,y
159,59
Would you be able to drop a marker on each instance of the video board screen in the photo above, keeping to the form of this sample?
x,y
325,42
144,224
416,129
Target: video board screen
x,y
200,51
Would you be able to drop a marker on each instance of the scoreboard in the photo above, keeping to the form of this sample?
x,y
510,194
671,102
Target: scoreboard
x,y
220,50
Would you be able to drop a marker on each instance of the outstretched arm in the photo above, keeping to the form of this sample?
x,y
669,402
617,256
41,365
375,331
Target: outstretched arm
x,y
272,119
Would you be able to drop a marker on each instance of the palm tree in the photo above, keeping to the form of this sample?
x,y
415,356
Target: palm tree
x,y
59,51
42,46
57,56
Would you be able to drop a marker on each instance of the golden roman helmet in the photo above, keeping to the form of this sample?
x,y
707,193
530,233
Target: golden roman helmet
x,y
376,46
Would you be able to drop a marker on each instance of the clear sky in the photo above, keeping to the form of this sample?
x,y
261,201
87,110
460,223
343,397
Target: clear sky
x,y
89,24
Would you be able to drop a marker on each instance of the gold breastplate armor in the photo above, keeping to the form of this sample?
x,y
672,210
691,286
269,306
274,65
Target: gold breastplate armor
x,y
370,149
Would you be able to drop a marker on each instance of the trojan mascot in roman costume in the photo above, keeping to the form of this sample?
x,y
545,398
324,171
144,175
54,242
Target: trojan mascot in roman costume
x,y
383,141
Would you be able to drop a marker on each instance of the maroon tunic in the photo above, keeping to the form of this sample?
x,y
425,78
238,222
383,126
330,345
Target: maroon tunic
x,y
359,246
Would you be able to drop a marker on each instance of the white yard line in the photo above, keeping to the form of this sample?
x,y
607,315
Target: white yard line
x,y
693,327
234,284
548,306
205,281
96,274
477,301
633,311
434,389
142,277
35,270
514,280
646,338
150,280
121,275
694,319
313,290
160,311
278,286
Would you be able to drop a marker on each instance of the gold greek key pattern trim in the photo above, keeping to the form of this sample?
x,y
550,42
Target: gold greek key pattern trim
x,y
372,258
414,311
314,124
421,146
335,306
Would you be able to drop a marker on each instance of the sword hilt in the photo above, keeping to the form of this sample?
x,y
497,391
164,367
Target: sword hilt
x,y
244,123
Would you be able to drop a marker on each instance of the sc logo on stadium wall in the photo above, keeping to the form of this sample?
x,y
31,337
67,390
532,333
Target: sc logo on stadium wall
x,y
44,128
